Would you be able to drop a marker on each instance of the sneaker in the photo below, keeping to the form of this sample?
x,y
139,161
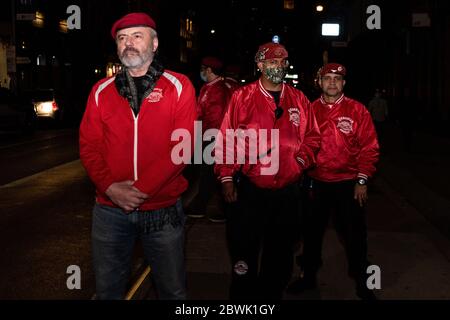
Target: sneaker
x,y
217,218
301,284
194,214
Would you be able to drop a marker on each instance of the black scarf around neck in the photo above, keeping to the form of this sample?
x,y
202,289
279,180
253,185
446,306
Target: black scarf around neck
x,y
127,88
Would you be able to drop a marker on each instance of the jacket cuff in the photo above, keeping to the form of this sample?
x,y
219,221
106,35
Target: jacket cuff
x,y
301,161
226,179
362,175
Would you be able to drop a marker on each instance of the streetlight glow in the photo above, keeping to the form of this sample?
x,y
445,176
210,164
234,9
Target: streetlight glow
x,y
319,8
330,29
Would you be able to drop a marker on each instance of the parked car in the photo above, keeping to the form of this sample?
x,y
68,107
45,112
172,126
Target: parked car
x,y
47,104
16,112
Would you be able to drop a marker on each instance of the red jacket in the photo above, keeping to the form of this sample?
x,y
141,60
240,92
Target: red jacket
x,y
212,103
349,147
252,107
232,84
116,146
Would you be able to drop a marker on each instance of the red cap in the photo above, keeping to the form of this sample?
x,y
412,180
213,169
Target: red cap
x,y
212,62
271,50
132,20
333,68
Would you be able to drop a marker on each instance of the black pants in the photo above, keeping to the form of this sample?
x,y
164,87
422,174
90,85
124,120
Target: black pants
x,y
209,187
261,230
349,219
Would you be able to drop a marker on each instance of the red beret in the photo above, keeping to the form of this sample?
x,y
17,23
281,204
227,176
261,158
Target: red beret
x,y
271,50
212,62
333,68
132,20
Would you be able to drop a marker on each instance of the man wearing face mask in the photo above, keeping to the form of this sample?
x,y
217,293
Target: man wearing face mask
x,y
214,94
262,228
212,103
126,147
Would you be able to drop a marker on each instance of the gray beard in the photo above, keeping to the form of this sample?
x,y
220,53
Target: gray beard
x,y
137,61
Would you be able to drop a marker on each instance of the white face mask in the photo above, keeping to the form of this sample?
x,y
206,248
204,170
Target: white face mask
x,y
203,76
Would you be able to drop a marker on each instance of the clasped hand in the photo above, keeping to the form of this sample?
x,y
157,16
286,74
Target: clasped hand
x,y
125,195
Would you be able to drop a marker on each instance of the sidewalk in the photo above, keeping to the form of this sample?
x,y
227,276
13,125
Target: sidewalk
x,y
207,260
413,256
412,252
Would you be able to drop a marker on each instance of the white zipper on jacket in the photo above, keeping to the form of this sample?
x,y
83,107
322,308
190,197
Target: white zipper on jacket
x,y
135,145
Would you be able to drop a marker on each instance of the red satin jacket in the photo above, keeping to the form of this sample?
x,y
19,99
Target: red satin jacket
x,y
251,110
231,83
116,145
212,103
349,147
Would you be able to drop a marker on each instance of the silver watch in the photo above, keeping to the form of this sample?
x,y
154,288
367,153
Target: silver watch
x,y
362,181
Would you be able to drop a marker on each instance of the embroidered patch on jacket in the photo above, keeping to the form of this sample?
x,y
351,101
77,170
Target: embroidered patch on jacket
x,y
294,116
345,124
155,95
240,268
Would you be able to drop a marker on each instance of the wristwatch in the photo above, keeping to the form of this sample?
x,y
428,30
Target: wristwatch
x,y
362,181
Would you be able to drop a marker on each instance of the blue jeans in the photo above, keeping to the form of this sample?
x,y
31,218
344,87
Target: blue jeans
x,y
161,231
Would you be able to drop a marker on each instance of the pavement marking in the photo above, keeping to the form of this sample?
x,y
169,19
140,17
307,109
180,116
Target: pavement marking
x,y
51,137
77,163
66,166
143,275
24,180
134,287
138,283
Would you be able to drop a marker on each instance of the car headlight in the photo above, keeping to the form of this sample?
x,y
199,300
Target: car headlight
x,y
46,107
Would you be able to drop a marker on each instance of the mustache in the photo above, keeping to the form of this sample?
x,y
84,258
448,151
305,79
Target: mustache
x,y
130,49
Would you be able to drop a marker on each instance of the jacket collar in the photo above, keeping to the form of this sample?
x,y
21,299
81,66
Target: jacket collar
x,y
127,88
214,81
267,93
330,105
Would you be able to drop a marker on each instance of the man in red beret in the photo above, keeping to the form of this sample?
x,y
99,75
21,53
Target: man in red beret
x,y
126,148
212,103
348,153
264,201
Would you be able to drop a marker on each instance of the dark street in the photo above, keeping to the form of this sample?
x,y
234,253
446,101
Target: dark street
x,y
368,72
45,204
50,209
